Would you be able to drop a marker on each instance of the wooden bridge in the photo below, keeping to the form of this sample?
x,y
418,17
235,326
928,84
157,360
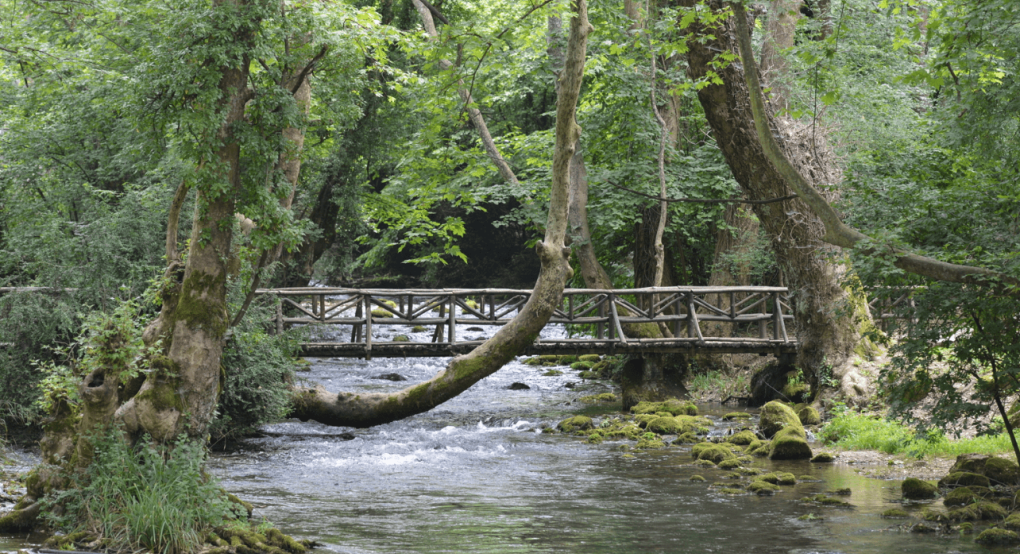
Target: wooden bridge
x,y
757,319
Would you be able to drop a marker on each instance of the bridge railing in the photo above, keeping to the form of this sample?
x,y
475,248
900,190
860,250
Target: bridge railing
x,y
682,310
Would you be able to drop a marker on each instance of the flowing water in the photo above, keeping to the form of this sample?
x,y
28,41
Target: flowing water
x,y
477,475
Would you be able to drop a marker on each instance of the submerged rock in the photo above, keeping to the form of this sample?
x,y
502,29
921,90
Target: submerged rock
x,y
762,487
895,513
823,458
736,415
916,489
697,478
518,386
391,377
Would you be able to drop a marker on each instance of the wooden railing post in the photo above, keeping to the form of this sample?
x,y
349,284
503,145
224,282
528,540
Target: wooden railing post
x,y
676,325
368,326
452,319
690,314
356,328
611,300
777,316
600,327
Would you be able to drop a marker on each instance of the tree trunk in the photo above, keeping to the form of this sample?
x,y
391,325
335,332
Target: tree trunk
x,y
827,334
363,410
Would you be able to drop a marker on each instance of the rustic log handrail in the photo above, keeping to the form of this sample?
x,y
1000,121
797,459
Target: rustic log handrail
x,y
606,311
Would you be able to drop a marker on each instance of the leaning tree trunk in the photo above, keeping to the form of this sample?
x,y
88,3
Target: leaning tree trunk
x,y
826,331
363,410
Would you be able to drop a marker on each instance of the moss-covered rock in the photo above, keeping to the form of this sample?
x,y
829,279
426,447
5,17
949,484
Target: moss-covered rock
x,y
697,478
704,463
826,500
582,366
593,358
686,438
1012,522
790,444
566,359
673,406
843,492
597,398
576,423
916,489
808,416
779,478
401,338
823,458
997,537
960,496
730,490
963,479
418,329
895,513
624,431
1002,472
749,471
978,511
742,438
761,487
732,463
737,416
711,451
663,425
970,463
536,361
758,448
797,392
776,416
379,312
552,373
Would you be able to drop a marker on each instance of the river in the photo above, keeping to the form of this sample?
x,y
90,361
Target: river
x,y
477,474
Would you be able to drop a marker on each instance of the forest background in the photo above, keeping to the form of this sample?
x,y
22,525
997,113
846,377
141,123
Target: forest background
x,y
393,182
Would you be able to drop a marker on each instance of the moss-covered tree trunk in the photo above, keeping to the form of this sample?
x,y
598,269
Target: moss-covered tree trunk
x,y
179,395
362,410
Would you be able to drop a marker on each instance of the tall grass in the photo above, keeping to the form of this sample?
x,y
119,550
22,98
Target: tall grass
x,y
151,497
855,431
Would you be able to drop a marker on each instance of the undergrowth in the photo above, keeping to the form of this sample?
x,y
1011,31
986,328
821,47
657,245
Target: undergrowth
x,y
718,383
856,431
148,497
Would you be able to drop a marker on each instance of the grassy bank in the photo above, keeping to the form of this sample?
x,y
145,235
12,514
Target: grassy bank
x,y
855,431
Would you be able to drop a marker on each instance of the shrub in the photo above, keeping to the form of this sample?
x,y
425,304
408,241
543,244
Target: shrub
x,y
149,497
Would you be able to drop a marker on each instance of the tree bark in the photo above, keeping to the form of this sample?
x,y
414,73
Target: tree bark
x,y
736,238
363,410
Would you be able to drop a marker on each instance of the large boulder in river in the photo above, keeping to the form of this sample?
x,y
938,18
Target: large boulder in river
x,y
999,471
576,423
775,416
790,443
808,415
712,452
964,479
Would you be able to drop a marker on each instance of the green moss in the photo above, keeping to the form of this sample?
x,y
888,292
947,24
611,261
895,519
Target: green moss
x,y
995,536
825,500
697,478
960,496
762,488
704,463
737,415
895,513
711,451
776,416
593,358
916,489
729,464
566,360
963,479
790,444
576,423
588,375
978,511
749,471
673,406
742,438
381,313
582,366
808,416
937,516
663,425
730,490
779,478
199,305
162,396
686,438
595,398
649,443
1002,471
1012,522
533,361
552,373
797,392
823,458
401,338
418,329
